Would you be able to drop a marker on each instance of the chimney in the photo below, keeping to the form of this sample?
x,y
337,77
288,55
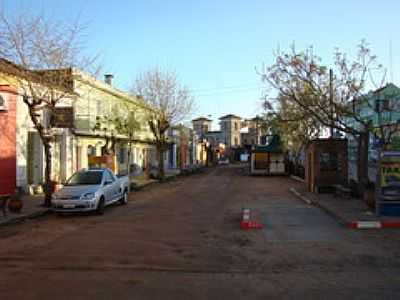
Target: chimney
x,y
108,78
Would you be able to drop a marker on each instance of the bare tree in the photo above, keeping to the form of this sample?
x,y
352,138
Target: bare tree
x,y
39,54
171,101
331,99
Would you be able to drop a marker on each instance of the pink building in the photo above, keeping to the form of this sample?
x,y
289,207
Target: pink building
x,y
8,143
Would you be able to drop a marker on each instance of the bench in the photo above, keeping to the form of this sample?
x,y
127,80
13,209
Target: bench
x,y
3,203
341,191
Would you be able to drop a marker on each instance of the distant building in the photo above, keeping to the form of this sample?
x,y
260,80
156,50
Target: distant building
x,y
214,137
235,134
201,125
252,132
230,127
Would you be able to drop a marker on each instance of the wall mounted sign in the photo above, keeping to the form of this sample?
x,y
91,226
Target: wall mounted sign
x,y
62,117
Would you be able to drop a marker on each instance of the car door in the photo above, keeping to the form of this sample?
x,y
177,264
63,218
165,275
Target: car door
x,y
108,187
114,186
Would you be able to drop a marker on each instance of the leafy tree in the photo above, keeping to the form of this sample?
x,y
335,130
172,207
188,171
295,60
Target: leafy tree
x,y
118,126
329,99
295,128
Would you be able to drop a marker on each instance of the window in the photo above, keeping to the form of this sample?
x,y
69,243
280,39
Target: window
x,y
85,178
381,105
91,150
236,126
236,140
3,103
99,108
385,104
108,176
329,161
121,155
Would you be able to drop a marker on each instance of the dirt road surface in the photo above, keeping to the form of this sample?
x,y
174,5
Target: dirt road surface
x,y
181,240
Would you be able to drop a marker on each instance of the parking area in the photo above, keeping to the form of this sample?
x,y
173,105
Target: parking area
x,y
299,223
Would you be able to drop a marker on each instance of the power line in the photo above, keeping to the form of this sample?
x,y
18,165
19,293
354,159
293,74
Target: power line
x,y
225,87
228,91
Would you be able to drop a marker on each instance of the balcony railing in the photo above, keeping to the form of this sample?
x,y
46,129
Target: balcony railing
x,y
84,122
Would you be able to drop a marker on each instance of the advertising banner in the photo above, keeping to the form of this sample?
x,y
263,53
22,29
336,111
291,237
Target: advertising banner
x,y
390,175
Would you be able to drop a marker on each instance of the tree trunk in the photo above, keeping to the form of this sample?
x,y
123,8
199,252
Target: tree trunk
x,y
161,170
362,167
48,186
129,166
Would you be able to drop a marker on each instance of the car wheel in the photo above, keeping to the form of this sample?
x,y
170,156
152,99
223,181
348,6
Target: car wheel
x,y
100,206
124,199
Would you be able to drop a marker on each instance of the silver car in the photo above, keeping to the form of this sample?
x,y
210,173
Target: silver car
x,y
91,190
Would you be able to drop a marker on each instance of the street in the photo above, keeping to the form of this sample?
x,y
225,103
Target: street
x,y
181,240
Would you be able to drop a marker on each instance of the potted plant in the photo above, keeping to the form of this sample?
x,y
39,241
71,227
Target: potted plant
x,y
15,203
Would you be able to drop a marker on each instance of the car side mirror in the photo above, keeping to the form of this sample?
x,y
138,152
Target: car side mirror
x,y
107,182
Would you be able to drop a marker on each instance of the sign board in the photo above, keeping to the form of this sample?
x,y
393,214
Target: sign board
x,y
395,145
390,175
105,161
62,117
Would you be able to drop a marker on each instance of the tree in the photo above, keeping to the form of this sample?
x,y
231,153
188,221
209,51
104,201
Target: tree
x,y
295,128
329,98
172,103
43,53
119,126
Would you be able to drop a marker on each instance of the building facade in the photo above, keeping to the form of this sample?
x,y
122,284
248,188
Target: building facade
x,y
8,140
201,126
382,108
230,127
71,148
98,100
252,132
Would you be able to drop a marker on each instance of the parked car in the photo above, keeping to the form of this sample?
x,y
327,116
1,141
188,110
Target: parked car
x,y
91,190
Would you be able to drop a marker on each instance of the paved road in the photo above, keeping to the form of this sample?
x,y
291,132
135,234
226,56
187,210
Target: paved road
x,y
180,240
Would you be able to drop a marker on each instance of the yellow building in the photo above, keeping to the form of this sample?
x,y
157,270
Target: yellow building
x,y
98,99
90,99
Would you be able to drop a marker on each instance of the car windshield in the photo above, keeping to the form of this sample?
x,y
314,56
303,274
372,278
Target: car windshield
x,y
83,178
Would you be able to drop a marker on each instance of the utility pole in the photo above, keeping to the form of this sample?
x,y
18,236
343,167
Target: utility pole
x,y
331,100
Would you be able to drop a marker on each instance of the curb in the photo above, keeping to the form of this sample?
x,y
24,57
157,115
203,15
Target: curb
x,y
135,188
23,218
373,224
345,223
329,212
300,196
297,178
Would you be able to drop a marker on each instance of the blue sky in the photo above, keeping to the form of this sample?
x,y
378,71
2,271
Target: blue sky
x,y
215,46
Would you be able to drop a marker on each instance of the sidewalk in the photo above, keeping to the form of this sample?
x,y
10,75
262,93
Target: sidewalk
x,y
352,212
31,209
32,204
141,181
